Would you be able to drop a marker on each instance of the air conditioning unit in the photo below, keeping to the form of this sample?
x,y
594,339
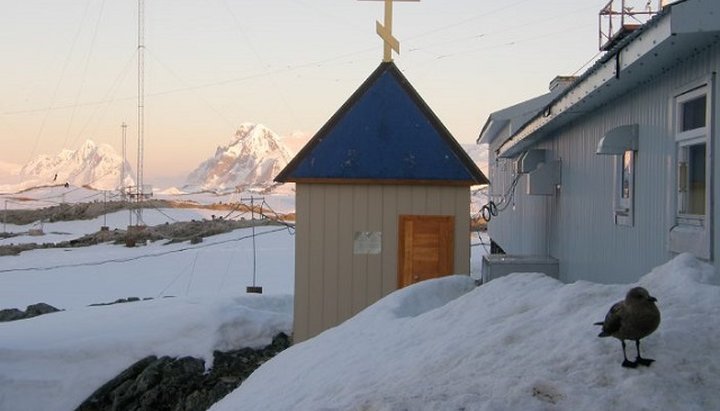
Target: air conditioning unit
x,y
545,179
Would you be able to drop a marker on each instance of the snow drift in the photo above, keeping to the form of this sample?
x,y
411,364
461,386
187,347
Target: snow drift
x,y
522,342
54,362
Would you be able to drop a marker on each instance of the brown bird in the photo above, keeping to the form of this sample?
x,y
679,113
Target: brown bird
x,y
632,319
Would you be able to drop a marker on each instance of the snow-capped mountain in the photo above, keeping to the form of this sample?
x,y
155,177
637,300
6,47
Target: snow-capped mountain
x,y
94,165
479,154
254,156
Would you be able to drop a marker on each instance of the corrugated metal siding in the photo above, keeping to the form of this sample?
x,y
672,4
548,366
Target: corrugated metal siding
x,y
580,227
716,176
332,283
521,228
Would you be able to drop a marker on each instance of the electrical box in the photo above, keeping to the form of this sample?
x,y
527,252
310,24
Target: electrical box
x,y
545,179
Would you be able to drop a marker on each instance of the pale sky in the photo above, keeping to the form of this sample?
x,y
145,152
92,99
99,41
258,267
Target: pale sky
x,y
69,68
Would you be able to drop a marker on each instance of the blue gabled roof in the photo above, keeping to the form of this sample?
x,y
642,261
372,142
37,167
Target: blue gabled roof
x,y
386,132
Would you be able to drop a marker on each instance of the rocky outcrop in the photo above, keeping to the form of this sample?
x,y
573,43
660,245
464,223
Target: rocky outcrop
x,y
13,314
180,384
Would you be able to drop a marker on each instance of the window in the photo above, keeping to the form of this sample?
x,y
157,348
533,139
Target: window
x,y
625,188
691,232
622,143
692,180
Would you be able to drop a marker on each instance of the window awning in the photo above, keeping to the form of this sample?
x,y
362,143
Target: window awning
x,y
619,140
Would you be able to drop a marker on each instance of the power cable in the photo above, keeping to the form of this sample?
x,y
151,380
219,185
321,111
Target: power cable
x,y
109,98
136,258
192,274
290,227
195,91
279,90
177,277
60,80
83,77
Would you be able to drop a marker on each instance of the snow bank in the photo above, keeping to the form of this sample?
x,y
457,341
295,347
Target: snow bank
x,y
523,342
55,361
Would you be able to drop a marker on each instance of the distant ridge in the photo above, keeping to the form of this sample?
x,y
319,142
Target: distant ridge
x,y
252,159
92,165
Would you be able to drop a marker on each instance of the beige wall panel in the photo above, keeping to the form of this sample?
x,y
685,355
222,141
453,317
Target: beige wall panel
x,y
302,251
390,239
374,223
345,252
331,236
462,231
435,203
419,200
316,256
404,200
360,220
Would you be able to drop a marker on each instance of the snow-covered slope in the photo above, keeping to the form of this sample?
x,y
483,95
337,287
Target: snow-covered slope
x,y
254,156
94,165
521,342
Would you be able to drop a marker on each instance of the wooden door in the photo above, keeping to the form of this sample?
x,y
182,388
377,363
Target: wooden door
x,y
425,248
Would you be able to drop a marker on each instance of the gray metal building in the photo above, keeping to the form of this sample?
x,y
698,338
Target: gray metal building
x,y
614,173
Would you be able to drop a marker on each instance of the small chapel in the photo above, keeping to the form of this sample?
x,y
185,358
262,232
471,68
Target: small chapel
x,y
382,199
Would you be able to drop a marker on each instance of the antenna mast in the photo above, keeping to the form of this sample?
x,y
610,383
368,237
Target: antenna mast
x,y
139,184
124,157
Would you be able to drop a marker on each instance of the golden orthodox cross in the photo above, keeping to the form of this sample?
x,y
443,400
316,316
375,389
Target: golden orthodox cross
x,y
385,31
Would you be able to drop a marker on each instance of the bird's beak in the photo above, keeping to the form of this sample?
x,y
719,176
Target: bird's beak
x,y
652,299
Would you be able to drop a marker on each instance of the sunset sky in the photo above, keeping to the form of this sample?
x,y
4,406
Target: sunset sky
x,y
69,68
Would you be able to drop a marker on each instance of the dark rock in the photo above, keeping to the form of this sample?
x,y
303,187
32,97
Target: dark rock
x,y
180,384
13,314
121,301
111,389
39,309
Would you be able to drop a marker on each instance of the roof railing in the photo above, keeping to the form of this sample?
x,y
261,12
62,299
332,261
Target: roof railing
x,y
618,18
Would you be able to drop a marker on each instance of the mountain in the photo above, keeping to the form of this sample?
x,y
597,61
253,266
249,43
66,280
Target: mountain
x,y
254,156
92,165
479,154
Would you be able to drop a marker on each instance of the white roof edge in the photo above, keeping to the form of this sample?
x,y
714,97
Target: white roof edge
x,y
680,18
519,112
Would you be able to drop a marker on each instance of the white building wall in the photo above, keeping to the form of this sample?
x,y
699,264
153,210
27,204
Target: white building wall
x,y
576,225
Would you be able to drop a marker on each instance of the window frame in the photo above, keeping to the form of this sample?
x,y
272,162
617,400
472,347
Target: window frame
x,y
624,207
691,232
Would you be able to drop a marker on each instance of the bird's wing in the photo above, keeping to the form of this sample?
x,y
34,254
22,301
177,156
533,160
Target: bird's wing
x,y
613,319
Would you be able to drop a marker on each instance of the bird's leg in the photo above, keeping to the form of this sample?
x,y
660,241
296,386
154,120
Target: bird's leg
x,y
642,361
626,363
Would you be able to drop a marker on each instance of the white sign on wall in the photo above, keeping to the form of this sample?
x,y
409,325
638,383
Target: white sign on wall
x,y
367,242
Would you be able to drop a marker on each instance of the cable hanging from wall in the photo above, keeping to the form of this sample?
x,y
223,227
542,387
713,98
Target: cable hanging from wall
x,y
492,209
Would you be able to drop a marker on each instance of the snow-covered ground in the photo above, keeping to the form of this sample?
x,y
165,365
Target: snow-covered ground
x,y
281,200
55,361
220,265
522,342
